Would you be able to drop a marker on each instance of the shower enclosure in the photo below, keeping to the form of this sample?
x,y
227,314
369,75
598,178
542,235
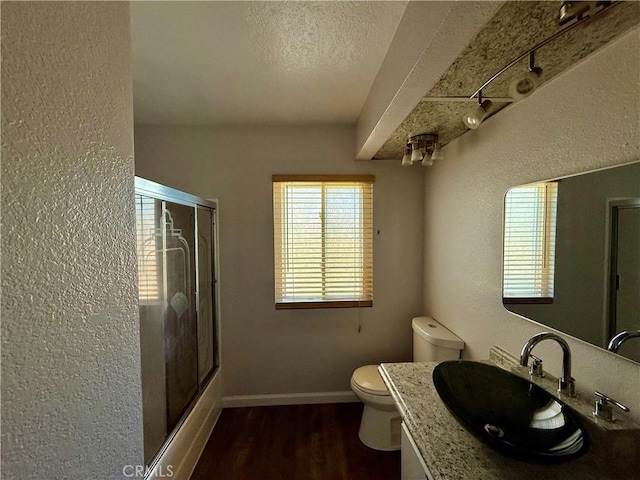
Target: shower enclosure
x,y
175,243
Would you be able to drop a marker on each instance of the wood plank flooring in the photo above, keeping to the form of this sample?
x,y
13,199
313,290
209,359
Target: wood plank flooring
x,y
294,442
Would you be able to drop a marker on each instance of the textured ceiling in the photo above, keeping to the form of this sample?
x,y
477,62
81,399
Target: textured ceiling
x,y
257,63
516,28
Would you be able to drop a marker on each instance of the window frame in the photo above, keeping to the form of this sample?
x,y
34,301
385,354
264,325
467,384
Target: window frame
x,y
366,235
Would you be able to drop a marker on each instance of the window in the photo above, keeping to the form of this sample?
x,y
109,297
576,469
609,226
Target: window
x,y
529,243
323,241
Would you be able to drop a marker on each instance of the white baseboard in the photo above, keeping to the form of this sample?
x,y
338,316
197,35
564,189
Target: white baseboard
x,y
288,399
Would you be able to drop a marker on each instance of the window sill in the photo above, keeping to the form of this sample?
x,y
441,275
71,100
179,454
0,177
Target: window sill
x,y
527,300
347,304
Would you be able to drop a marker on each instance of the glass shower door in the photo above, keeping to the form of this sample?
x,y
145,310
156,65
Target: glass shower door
x,y
180,329
168,330
176,234
207,355
152,305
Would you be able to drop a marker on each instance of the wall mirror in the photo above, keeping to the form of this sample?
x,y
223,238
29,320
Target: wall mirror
x,y
571,256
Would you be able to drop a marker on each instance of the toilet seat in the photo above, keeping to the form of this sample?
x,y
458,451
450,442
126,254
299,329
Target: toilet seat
x,y
368,380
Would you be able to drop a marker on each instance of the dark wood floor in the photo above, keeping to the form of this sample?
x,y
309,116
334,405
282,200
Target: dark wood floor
x,y
297,442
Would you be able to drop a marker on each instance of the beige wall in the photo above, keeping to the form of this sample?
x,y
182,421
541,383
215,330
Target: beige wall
x,y
71,405
587,118
265,351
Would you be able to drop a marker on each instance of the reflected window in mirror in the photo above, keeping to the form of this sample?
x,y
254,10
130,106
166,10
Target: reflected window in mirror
x,y
529,243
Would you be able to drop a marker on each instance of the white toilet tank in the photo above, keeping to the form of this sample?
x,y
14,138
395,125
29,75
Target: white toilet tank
x,y
434,343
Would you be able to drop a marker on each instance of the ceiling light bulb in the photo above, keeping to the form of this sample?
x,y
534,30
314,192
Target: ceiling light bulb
x,y
524,86
437,154
417,154
427,161
474,117
406,159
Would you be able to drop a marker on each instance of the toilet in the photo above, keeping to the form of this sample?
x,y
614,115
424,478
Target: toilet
x,y
380,423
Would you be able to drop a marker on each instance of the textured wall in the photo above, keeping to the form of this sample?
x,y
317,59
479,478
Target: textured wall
x,y
268,351
71,401
584,119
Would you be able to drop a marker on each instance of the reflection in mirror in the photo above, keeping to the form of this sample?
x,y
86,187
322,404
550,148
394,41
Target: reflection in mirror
x,y
572,256
530,213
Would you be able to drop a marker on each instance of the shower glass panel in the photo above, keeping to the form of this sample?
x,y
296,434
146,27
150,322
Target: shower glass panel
x,y
180,330
207,354
152,310
176,290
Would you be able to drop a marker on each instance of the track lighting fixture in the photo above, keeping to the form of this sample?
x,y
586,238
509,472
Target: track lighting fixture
x,y
474,117
524,86
580,11
422,148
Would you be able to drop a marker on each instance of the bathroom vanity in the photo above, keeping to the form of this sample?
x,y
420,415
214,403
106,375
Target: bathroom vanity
x,y
436,447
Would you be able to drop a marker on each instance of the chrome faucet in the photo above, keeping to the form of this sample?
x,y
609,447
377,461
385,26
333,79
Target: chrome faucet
x,y
566,384
620,338
603,407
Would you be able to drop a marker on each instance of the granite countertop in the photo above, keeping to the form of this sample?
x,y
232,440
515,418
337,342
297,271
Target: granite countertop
x,y
450,452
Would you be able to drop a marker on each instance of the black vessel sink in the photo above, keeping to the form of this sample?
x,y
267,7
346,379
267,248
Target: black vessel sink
x,y
509,413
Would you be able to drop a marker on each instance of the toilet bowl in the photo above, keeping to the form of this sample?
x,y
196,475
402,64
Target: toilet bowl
x,y
380,424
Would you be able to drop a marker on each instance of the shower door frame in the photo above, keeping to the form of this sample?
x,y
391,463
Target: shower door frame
x,y
164,193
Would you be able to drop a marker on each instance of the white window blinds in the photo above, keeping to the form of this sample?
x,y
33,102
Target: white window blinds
x,y
147,249
323,241
529,242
